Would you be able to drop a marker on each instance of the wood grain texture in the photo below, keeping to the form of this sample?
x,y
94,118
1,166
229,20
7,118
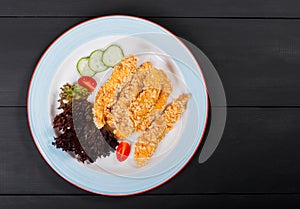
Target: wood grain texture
x,y
149,201
257,60
258,153
255,47
161,8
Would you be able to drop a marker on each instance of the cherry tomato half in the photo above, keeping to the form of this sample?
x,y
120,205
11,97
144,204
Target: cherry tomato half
x,y
123,151
87,82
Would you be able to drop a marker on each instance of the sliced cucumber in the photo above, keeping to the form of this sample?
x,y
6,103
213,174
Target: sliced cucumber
x,y
83,67
112,55
95,62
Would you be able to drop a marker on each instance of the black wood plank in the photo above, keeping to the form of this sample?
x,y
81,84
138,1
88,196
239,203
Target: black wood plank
x,y
258,153
162,8
22,168
258,60
141,201
22,43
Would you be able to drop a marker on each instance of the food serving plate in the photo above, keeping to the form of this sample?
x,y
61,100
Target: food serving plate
x,y
149,42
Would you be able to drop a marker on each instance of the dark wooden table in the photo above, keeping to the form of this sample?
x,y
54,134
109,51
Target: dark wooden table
x,y
255,47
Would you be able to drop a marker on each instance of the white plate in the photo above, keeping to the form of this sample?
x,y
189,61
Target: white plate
x,y
149,42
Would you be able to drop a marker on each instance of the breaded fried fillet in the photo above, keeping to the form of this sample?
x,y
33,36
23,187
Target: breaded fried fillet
x,y
119,116
107,94
160,104
143,104
152,100
148,141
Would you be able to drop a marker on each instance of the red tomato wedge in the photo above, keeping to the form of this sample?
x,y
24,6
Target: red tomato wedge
x,y
123,151
87,82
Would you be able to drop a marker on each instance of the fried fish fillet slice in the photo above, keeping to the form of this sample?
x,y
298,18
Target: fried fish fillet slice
x,y
148,141
107,94
143,104
159,105
128,93
146,100
119,116
175,110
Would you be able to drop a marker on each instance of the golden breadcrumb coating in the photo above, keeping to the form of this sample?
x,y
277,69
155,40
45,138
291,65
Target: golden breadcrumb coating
x,y
148,141
159,106
119,116
107,94
152,100
142,105
135,99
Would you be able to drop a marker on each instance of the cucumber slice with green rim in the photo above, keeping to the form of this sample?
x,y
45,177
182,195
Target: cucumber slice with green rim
x,y
112,55
83,67
95,62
